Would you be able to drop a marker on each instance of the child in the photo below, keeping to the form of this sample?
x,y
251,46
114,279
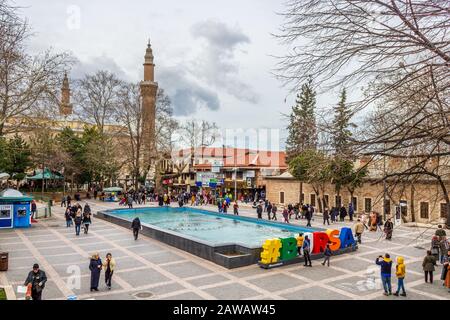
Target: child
x,y
327,255
400,272
300,243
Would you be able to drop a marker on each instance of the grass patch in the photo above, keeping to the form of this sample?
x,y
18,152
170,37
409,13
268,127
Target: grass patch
x,y
2,294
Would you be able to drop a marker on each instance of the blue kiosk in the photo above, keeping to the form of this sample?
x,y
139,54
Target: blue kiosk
x,y
15,211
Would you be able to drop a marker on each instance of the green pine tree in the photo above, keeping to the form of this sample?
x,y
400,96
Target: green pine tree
x,y
302,122
341,133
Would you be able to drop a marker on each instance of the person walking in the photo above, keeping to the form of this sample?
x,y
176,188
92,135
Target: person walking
x,y
130,202
86,218
269,210
259,211
446,272
78,220
342,213
69,200
308,217
443,250
95,266
359,229
36,279
351,211
63,201
285,215
306,251
333,214
236,209
440,232
326,216
327,255
428,266
400,272
33,209
68,216
386,268
388,229
274,212
136,226
108,266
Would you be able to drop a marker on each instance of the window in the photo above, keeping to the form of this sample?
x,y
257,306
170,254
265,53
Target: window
x,y
5,213
21,213
355,203
443,210
240,175
387,206
327,200
338,201
367,205
312,197
424,210
282,197
228,175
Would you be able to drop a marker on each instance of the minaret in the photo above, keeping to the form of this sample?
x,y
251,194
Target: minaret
x,y
149,89
65,107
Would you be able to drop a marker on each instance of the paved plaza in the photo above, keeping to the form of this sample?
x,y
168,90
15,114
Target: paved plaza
x,y
148,269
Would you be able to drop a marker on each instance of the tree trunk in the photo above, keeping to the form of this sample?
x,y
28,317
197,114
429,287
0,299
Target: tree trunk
x,y
413,214
301,193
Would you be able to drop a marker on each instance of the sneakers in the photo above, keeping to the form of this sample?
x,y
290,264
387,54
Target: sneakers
x,y
403,294
396,294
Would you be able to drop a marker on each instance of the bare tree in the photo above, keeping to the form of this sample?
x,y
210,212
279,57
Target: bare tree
x,y
398,49
28,83
96,97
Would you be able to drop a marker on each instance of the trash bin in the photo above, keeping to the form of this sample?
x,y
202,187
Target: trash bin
x,y
3,261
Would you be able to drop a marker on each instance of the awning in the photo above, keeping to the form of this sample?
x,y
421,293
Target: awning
x,y
113,189
48,175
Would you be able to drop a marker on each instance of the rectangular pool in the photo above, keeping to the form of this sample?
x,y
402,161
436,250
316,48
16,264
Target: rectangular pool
x,y
213,228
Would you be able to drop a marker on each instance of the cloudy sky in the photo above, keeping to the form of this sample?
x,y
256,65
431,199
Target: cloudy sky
x,y
213,58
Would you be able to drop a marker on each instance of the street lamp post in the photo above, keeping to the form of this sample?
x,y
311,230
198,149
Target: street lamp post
x,y
235,184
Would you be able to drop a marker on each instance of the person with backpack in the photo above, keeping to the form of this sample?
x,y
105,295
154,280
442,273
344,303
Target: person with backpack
x,y
428,264
400,272
327,255
386,269
86,218
78,220
274,212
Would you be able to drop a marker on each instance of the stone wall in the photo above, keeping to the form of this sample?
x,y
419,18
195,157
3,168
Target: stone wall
x,y
424,195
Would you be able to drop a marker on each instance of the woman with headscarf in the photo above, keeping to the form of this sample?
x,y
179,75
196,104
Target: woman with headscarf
x,y
95,266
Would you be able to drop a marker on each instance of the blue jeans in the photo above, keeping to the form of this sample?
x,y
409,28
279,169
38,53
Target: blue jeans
x,y
386,283
77,229
401,285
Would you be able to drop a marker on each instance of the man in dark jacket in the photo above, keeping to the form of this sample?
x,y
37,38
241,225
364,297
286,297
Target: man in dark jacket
x,y
388,229
37,279
259,211
269,210
136,226
386,268
342,213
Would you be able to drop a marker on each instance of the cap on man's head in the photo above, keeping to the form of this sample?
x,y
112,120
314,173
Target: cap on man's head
x,y
35,266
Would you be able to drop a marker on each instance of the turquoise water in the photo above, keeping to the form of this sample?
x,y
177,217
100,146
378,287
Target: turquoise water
x,y
210,227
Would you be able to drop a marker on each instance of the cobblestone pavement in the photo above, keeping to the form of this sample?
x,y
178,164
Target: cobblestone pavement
x,y
148,269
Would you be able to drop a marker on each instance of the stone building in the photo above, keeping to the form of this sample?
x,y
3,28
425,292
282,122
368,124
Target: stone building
x,y
419,202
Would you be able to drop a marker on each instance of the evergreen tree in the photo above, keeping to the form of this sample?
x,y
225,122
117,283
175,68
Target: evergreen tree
x,y
302,122
15,157
341,133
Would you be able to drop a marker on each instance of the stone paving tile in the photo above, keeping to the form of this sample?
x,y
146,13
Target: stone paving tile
x,y
127,262
436,288
276,282
86,286
163,257
26,262
73,258
161,290
356,285
350,264
232,291
96,247
314,293
143,277
51,291
82,267
253,271
13,247
142,249
410,296
317,273
20,254
116,296
186,270
56,251
213,279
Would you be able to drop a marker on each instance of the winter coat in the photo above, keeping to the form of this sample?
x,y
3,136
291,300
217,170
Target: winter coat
x,y
112,264
359,228
95,271
386,266
306,245
428,263
35,278
78,220
136,224
326,214
400,269
440,233
343,212
447,278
